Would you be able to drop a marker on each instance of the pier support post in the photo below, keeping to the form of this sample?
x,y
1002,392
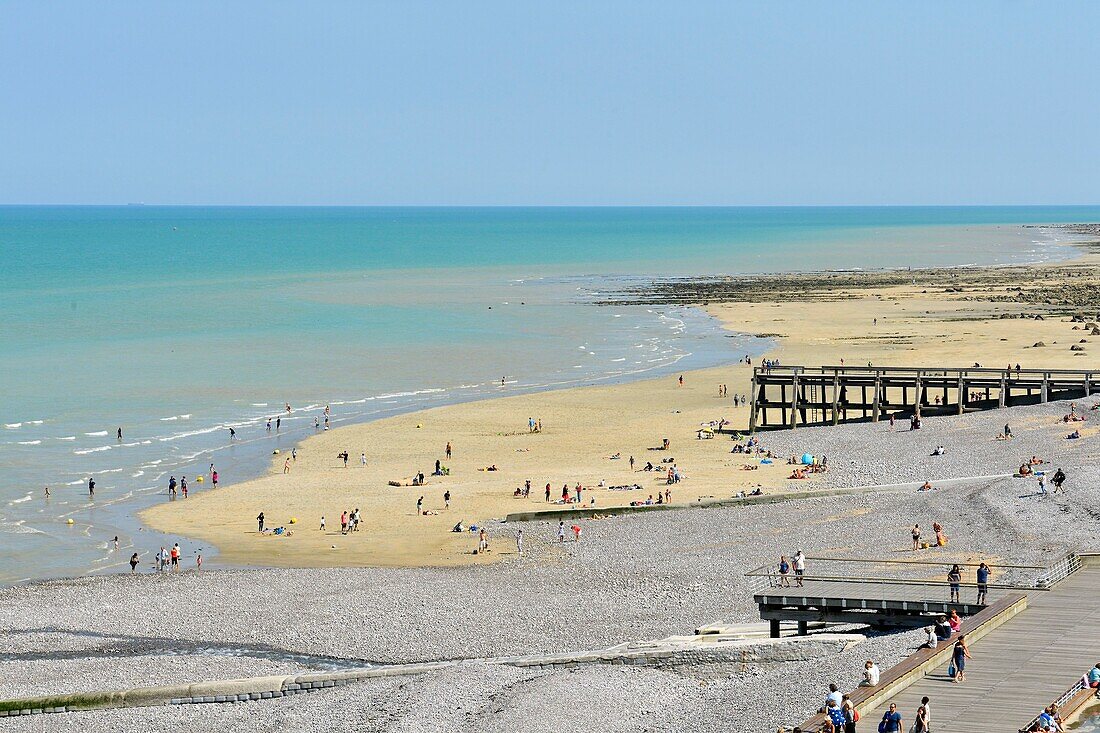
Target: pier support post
x,y
803,628
755,402
1046,387
773,627
794,400
1002,398
1087,385
962,395
917,397
836,397
876,408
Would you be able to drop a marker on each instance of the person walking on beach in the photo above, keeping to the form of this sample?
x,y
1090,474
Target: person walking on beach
x,y
260,522
294,454
519,542
198,561
959,655
1058,479
232,434
91,487
134,563
183,487
447,499
172,486
269,425
420,506
344,457
954,579
344,522
214,478
530,424
482,540
681,380
286,465
174,554
916,536
322,527
448,450
632,463
561,531
547,493
363,459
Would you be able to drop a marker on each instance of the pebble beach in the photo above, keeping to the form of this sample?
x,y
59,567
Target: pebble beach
x,y
630,578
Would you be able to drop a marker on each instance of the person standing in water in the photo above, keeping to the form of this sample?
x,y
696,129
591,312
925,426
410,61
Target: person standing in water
x,y
133,563
120,435
278,423
91,487
232,434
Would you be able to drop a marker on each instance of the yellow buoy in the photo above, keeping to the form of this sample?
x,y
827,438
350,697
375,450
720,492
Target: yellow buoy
x,y
275,452
418,426
198,479
68,521
294,520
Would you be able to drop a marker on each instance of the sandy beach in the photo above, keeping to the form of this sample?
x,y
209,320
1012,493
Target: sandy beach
x,y
954,317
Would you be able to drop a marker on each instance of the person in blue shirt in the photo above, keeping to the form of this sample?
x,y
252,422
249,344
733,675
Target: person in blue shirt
x,y
983,582
1093,677
836,715
891,721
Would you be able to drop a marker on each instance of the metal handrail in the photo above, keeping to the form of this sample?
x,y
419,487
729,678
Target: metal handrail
x,y
1061,700
895,581
887,561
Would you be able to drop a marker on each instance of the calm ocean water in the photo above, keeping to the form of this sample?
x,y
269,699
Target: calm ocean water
x,y
178,323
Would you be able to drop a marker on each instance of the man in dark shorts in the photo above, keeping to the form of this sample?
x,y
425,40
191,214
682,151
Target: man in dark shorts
x,y
260,522
983,582
91,487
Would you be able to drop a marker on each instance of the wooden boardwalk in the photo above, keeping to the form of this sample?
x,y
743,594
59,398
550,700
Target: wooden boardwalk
x,y
1018,668
828,395
846,601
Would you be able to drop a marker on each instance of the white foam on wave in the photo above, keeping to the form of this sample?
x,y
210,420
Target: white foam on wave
x,y
20,500
13,425
139,473
96,434
29,442
68,437
259,404
18,528
622,359
37,422
86,451
190,433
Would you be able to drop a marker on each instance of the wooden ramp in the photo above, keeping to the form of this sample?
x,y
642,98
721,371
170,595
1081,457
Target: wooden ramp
x,y
1018,668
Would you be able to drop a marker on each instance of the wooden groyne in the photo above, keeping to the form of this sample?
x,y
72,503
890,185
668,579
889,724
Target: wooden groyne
x,y
789,396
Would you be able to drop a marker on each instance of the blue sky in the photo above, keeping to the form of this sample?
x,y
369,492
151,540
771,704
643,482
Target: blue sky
x,y
556,103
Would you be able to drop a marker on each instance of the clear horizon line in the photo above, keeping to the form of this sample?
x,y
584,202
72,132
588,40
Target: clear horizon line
x,y
139,204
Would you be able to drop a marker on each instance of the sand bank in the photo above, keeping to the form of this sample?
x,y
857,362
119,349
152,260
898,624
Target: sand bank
x,y
942,317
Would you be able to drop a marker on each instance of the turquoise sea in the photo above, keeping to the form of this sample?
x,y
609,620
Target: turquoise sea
x,y
177,323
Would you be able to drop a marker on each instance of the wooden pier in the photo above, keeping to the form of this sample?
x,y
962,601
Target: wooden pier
x,y
790,396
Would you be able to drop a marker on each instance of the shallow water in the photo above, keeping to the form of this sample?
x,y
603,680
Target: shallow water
x,y
179,323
